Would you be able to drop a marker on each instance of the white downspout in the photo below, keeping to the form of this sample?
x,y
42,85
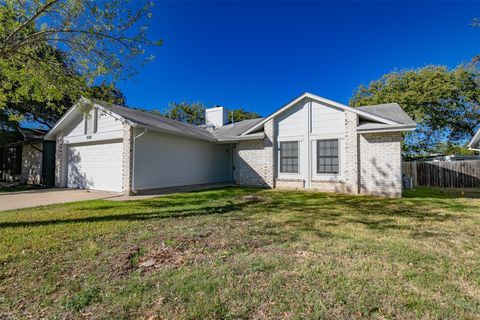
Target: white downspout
x,y
133,158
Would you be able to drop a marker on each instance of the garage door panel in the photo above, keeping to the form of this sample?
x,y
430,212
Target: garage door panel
x,y
95,166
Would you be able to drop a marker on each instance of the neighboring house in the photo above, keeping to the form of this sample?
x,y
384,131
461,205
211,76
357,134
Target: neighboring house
x,y
27,158
474,144
311,143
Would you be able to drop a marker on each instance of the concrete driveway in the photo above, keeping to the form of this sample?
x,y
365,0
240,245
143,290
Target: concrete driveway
x,y
33,198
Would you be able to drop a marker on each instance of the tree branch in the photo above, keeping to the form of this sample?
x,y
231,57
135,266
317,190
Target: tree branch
x,y
26,23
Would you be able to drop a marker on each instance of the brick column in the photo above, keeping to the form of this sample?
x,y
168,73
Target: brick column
x,y
59,154
351,153
269,154
127,159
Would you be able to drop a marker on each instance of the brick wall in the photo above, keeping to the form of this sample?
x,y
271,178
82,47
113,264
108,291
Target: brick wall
x,y
380,164
254,160
351,153
289,183
329,186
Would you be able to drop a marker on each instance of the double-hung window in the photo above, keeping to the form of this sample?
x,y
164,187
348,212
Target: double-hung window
x,y
289,157
327,156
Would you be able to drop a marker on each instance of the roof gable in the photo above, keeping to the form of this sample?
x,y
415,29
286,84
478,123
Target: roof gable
x,y
135,118
326,102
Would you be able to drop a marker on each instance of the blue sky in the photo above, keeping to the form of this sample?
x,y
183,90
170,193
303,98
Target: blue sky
x,y
260,55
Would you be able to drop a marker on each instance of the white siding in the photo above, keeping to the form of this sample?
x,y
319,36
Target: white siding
x,y
76,128
327,120
292,121
163,160
106,123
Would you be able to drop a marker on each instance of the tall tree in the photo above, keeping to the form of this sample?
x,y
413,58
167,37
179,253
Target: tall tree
x,y
51,49
240,115
445,103
107,92
193,113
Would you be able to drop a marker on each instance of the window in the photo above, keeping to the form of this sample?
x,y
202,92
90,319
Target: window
x,y
85,120
327,156
95,120
289,157
12,158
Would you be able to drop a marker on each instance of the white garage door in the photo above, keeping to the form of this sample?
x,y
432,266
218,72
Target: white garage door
x,y
95,166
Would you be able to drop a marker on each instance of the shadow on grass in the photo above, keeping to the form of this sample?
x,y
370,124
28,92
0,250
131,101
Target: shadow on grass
x,y
141,216
310,212
442,193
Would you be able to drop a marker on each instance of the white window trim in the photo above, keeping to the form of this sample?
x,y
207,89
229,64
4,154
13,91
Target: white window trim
x,y
340,176
288,174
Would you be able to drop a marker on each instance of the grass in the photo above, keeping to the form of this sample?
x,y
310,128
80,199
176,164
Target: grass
x,y
220,255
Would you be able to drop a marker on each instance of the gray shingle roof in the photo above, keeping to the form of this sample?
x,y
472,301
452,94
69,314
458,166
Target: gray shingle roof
x,y
155,122
391,111
233,131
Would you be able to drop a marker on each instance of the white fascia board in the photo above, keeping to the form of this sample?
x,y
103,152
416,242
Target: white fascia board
x,y
474,140
323,101
392,129
242,138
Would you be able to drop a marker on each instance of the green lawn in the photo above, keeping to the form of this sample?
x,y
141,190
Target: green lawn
x,y
218,254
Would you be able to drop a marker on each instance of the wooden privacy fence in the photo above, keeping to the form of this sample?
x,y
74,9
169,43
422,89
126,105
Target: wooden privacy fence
x,y
444,174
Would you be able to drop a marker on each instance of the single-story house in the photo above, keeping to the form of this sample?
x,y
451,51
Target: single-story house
x,y
309,143
26,157
474,144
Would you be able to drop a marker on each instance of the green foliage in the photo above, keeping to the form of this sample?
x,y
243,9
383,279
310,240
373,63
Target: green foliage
x,y
99,37
51,50
445,103
107,92
241,114
448,148
193,113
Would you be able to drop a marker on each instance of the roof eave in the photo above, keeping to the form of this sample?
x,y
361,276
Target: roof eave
x,y
242,138
174,133
387,129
